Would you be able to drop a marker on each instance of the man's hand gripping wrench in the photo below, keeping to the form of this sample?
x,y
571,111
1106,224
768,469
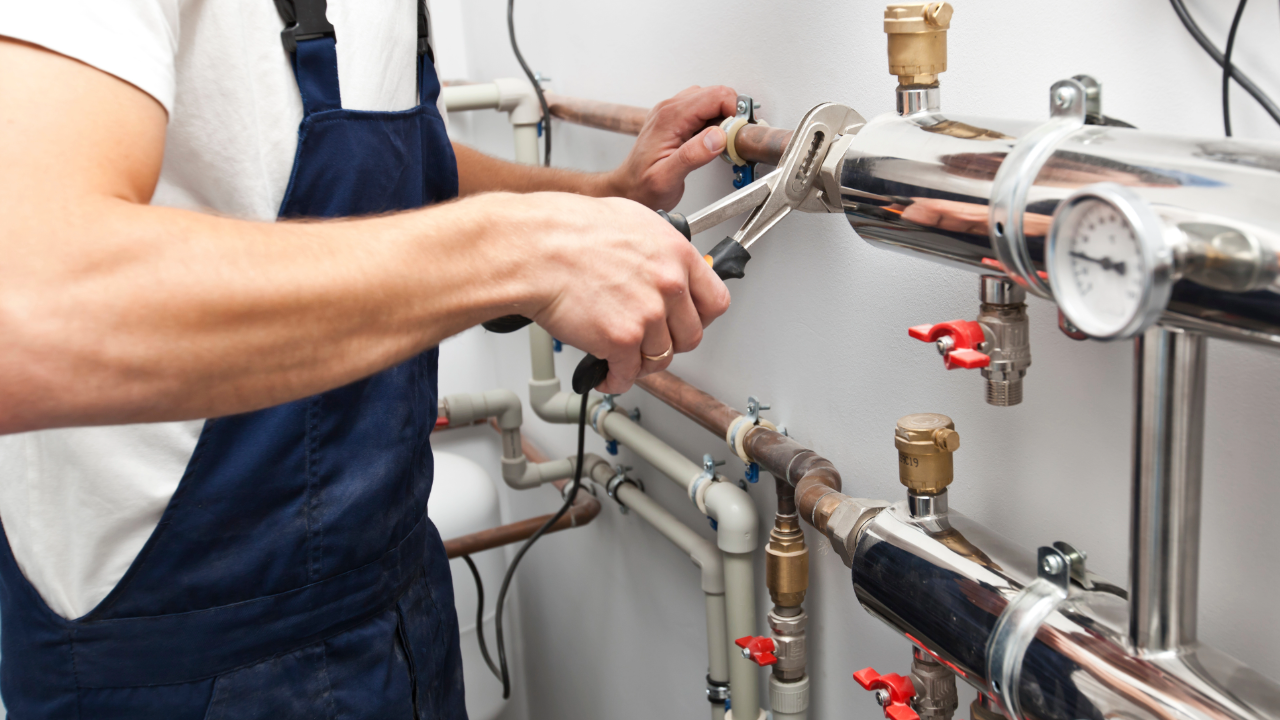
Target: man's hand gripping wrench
x,y
806,179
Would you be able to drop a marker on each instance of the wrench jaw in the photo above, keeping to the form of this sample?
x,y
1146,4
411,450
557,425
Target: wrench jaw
x,y
802,183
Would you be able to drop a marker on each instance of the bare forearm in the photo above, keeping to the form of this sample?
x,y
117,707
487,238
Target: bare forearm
x,y
478,173
148,314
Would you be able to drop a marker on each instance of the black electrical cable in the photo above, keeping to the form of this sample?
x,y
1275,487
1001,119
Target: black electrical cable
x,y
484,647
537,87
1181,9
1226,68
511,569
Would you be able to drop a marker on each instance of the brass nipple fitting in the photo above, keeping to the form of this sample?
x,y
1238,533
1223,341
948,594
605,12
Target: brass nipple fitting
x,y
917,41
925,442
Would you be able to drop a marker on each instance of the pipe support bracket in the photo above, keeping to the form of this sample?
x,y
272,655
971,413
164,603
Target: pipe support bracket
x,y
1017,626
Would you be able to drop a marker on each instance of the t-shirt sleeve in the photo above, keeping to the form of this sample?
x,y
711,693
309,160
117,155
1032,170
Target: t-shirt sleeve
x,y
134,40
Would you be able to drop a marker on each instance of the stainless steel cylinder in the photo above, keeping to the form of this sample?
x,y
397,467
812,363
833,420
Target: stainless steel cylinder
x,y
921,183
943,581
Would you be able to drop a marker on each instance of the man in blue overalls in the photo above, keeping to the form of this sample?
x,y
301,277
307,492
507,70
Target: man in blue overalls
x,y
276,560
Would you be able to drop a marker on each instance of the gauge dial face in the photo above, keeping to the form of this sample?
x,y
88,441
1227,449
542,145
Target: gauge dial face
x,y
1100,274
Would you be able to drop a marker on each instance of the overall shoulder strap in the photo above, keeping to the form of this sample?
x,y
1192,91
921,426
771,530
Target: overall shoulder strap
x,y
309,39
428,82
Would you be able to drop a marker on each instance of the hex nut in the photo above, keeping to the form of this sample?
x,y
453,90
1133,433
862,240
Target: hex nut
x,y
794,625
845,522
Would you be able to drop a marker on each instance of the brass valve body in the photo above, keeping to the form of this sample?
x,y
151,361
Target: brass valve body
x,y
787,562
925,442
917,41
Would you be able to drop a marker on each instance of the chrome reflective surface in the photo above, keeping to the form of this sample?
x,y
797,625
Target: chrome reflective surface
x,y
921,184
943,582
1169,382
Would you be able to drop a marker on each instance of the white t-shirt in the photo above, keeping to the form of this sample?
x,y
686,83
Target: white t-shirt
x,y
78,504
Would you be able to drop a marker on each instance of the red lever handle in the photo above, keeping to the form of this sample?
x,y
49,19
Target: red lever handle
x,y
900,691
758,649
966,336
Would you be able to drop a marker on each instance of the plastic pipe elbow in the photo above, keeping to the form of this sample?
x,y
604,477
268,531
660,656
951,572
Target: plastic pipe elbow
x,y
517,98
520,474
737,522
553,405
502,404
711,563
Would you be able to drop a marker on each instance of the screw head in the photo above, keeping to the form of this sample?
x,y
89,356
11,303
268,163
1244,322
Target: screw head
x,y
882,697
945,344
1052,564
742,106
1063,96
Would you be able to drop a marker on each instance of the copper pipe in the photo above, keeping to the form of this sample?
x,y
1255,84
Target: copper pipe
x,y
762,144
693,403
625,119
812,475
584,509
754,143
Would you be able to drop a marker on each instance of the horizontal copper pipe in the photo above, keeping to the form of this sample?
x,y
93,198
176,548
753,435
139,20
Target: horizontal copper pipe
x,y
583,510
693,403
754,143
812,476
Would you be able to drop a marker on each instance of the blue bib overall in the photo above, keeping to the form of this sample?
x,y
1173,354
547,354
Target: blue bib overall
x,y
294,574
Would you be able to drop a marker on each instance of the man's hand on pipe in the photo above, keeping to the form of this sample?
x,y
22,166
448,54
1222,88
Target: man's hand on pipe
x,y
615,279
673,143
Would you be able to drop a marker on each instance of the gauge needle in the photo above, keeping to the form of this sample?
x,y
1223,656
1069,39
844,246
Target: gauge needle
x,y
1106,263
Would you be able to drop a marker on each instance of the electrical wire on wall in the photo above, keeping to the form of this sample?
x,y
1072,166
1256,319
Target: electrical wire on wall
x,y
1228,69
500,669
537,86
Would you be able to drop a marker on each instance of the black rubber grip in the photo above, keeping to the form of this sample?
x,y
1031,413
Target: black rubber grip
x,y
591,371
729,259
678,221
506,324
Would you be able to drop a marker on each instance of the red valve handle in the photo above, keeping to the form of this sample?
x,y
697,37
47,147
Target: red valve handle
x,y
900,690
758,649
967,336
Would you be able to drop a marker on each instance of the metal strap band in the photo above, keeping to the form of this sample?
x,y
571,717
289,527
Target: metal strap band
x,y
1016,177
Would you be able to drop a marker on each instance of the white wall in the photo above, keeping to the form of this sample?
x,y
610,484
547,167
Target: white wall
x,y
612,614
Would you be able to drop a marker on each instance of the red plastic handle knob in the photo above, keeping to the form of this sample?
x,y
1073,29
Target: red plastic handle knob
x,y
758,649
899,688
966,335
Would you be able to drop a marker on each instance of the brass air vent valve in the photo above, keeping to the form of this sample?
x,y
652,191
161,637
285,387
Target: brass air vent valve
x,y
917,41
925,442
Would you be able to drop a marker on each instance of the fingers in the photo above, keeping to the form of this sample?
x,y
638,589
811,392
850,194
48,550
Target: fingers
x,y
708,292
683,323
657,343
690,110
698,151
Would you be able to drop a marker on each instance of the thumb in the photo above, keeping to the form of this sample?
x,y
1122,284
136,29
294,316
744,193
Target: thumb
x,y
696,152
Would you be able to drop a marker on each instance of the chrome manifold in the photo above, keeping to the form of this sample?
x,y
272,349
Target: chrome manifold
x,y
923,183
943,582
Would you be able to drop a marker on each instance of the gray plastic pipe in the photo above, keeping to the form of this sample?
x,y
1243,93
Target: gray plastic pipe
x,y
703,554
505,407
737,521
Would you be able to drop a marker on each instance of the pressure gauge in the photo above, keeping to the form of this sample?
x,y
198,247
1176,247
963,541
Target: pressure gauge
x,y
1109,262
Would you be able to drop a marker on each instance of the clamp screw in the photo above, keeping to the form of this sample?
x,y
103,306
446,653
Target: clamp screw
x,y
1064,96
742,106
1052,564
709,464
